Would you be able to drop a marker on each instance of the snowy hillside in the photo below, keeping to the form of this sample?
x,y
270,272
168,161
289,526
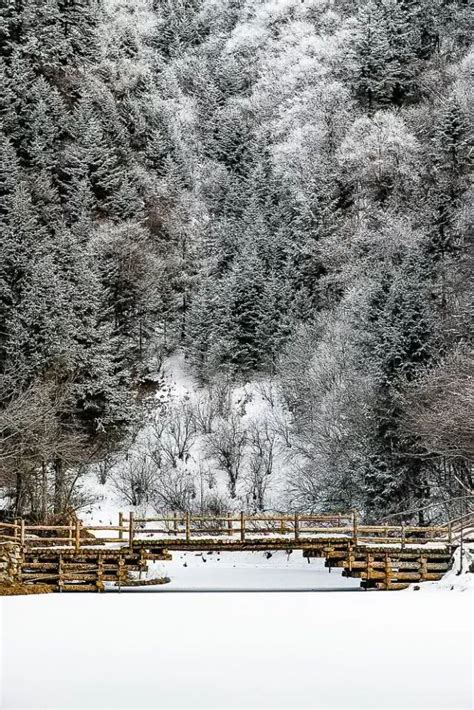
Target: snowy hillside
x,y
177,460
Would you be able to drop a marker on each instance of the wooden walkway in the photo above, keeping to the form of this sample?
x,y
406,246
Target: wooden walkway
x,y
76,557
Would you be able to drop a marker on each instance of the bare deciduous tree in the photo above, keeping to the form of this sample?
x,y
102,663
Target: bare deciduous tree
x,y
174,490
40,456
136,481
205,411
439,417
439,409
261,459
226,446
174,433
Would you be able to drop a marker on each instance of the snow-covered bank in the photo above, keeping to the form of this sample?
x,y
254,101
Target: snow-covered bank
x,y
460,578
346,651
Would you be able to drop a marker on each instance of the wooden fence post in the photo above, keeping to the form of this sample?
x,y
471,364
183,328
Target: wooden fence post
x,y
78,535
22,532
297,527
450,534
188,527
242,526
230,525
461,547
16,523
120,526
175,523
354,527
131,529
403,535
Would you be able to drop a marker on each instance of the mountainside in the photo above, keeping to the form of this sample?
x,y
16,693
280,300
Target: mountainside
x,y
275,197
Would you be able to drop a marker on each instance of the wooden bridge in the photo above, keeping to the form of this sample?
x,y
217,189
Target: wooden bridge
x,y
77,557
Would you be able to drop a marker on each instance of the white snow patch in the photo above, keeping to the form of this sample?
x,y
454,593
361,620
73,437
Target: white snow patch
x,y
328,650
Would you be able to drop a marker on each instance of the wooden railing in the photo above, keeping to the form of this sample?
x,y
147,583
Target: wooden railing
x,y
299,529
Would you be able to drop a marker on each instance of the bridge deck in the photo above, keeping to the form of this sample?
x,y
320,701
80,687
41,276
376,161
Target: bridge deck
x,y
77,557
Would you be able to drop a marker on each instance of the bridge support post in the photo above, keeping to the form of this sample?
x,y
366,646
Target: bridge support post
x,y
60,573
188,527
100,573
297,527
423,567
388,571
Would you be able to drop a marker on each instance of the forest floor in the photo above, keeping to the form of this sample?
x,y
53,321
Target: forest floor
x,y
399,650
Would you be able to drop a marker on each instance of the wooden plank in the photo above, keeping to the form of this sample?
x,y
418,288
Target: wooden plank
x,y
41,528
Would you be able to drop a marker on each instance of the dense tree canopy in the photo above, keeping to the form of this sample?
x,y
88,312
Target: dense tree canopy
x,y
281,188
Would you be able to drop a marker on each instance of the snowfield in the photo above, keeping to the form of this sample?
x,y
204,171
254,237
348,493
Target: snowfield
x,y
198,650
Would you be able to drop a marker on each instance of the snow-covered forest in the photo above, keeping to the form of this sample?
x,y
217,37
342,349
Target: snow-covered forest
x,y
235,257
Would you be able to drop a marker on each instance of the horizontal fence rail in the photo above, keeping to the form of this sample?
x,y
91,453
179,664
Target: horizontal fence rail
x,y
299,529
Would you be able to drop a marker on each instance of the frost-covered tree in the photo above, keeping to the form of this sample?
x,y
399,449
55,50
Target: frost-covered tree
x,y
279,188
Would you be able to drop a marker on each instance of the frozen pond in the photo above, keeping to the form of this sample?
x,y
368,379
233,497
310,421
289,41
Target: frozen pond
x,y
399,650
247,571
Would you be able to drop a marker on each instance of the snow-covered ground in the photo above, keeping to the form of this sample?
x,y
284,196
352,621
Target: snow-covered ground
x,y
198,650
241,649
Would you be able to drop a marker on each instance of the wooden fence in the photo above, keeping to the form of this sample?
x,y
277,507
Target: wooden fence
x,y
296,530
